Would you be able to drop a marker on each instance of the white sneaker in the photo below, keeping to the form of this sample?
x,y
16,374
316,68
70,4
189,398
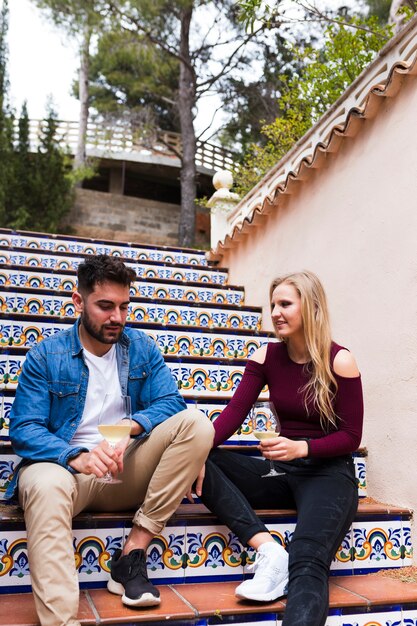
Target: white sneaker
x,y
271,575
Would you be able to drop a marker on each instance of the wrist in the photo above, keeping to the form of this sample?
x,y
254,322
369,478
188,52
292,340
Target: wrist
x,y
74,461
303,449
136,428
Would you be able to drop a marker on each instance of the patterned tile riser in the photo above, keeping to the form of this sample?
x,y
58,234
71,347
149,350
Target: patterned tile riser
x,y
142,271
8,463
206,380
147,312
57,282
188,553
394,617
382,544
78,247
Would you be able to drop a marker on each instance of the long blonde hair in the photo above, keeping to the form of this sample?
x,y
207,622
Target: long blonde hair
x,y
322,386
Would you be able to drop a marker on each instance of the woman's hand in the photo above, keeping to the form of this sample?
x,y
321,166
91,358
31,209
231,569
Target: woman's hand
x,y
283,449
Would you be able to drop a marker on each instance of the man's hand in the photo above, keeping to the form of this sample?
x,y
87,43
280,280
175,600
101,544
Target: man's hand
x,y
102,459
198,485
283,449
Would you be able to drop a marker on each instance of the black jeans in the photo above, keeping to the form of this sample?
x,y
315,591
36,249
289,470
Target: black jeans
x,y
325,494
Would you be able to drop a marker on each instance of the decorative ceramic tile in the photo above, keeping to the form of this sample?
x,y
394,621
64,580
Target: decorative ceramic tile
x,y
409,617
8,463
333,620
22,333
377,545
7,302
389,618
183,315
5,239
166,555
343,561
14,564
26,334
188,293
176,343
82,247
10,368
261,619
407,547
360,471
5,407
213,552
143,271
93,550
61,282
207,380
37,280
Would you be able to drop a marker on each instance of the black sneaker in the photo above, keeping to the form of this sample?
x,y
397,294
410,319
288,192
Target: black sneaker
x,y
129,579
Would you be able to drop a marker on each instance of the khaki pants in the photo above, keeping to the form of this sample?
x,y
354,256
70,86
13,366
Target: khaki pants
x,y
158,471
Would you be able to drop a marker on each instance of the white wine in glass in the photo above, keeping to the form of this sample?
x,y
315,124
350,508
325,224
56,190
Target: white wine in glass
x,y
266,425
115,424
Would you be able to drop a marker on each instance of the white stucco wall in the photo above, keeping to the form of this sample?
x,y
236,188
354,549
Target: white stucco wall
x,y
355,224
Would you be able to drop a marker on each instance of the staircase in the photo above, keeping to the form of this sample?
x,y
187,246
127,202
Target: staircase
x,y
205,333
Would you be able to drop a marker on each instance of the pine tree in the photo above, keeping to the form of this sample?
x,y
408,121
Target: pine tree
x,y
52,182
22,195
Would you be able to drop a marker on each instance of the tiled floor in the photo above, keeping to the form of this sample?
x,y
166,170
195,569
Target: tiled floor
x,y
194,602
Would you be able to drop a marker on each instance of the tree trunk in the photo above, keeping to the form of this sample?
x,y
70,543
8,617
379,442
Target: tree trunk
x,y
80,155
186,104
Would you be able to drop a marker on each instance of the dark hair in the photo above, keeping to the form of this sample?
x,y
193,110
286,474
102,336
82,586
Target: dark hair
x,y
102,268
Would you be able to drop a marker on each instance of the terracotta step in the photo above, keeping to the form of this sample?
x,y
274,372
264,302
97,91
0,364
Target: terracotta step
x,y
357,600
367,507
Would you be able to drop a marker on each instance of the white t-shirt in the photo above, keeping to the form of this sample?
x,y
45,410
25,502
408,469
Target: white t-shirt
x,y
102,403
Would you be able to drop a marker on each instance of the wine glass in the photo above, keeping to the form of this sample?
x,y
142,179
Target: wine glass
x,y
266,425
115,423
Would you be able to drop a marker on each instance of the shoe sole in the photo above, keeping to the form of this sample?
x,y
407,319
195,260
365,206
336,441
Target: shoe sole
x,y
146,599
279,592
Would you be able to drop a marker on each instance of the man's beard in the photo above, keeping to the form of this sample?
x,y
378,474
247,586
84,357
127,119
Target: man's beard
x,y
98,332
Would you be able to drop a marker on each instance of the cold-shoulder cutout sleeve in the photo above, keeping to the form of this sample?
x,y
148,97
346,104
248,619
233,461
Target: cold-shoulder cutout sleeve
x,y
247,392
259,355
344,364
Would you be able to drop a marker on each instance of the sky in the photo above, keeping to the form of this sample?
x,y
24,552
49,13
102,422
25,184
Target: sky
x,y
42,62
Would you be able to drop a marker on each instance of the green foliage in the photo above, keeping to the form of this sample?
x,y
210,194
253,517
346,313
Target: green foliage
x,y
127,73
379,8
40,184
35,187
407,12
326,73
253,103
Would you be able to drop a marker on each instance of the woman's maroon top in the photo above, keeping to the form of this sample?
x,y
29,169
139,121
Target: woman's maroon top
x,y
285,379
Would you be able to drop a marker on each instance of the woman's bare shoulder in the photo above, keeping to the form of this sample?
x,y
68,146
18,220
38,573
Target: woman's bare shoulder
x,y
259,355
344,364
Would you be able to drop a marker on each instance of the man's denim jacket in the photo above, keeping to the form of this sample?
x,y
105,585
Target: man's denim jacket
x,y
52,388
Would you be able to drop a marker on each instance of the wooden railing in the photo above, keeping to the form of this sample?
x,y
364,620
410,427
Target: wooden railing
x,y
106,140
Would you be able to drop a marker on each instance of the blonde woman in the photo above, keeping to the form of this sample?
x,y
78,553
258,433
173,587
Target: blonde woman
x,y
315,386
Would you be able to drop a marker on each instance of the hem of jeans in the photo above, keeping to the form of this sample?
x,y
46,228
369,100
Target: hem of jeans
x,y
251,532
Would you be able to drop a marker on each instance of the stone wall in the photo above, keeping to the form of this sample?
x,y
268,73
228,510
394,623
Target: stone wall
x,y
123,218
